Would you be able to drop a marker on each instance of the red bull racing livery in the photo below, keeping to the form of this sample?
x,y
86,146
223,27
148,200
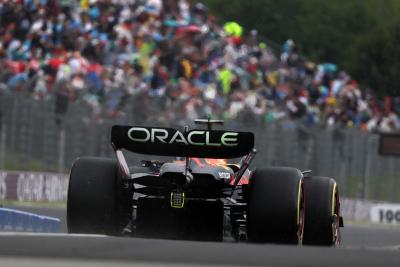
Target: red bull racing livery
x,y
208,192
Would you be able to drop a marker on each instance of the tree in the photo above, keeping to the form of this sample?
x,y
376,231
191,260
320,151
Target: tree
x,y
376,61
339,31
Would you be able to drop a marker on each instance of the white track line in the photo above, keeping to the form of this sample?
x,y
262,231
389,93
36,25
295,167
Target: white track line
x,y
380,248
46,262
48,234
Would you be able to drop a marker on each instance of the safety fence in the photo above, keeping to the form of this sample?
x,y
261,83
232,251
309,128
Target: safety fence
x,y
34,135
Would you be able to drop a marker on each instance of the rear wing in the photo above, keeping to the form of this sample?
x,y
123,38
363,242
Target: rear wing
x,y
171,142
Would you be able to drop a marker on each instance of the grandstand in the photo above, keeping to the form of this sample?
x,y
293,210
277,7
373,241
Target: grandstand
x,y
172,61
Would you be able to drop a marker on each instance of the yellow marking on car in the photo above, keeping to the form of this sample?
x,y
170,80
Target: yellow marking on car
x,y
298,209
177,200
333,198
333,213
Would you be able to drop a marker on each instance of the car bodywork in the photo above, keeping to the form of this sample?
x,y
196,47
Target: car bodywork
x,y
203,176
207,192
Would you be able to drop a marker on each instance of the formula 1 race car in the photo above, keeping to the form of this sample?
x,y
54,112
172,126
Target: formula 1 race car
x,y
201,195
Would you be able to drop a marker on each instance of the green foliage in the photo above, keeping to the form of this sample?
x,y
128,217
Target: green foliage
x,y
377,61
17,162
358,35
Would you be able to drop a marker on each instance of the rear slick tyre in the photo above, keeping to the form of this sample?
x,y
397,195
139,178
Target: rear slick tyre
x,y
322,220
276,206
93,197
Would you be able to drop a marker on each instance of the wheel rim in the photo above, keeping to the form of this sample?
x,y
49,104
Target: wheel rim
x,y
335,216
300,213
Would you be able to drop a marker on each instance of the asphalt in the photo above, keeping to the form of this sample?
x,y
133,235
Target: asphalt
x,y
362,246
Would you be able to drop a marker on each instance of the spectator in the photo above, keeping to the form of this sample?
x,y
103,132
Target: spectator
x,y
171,61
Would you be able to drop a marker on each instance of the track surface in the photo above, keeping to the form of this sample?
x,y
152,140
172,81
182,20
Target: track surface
x,y
362,246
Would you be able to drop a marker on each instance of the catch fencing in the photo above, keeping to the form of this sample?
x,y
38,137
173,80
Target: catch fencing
x,y
36,136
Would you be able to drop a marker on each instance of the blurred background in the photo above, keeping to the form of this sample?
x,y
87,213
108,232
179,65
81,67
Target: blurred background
x,y
316,81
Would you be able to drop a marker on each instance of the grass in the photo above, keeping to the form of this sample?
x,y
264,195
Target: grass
x,y
13,163
33,204
352,187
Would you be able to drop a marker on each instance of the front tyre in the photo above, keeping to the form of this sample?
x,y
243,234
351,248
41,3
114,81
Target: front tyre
x,y
322,220
276,206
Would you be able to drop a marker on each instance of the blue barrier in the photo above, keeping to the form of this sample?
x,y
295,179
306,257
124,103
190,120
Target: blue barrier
x,y
20,221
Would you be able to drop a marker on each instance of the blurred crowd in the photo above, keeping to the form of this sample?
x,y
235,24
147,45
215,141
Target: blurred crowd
x,y
170,61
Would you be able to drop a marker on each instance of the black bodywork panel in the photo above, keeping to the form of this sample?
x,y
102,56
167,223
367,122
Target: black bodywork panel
x,y
198,220
208,181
